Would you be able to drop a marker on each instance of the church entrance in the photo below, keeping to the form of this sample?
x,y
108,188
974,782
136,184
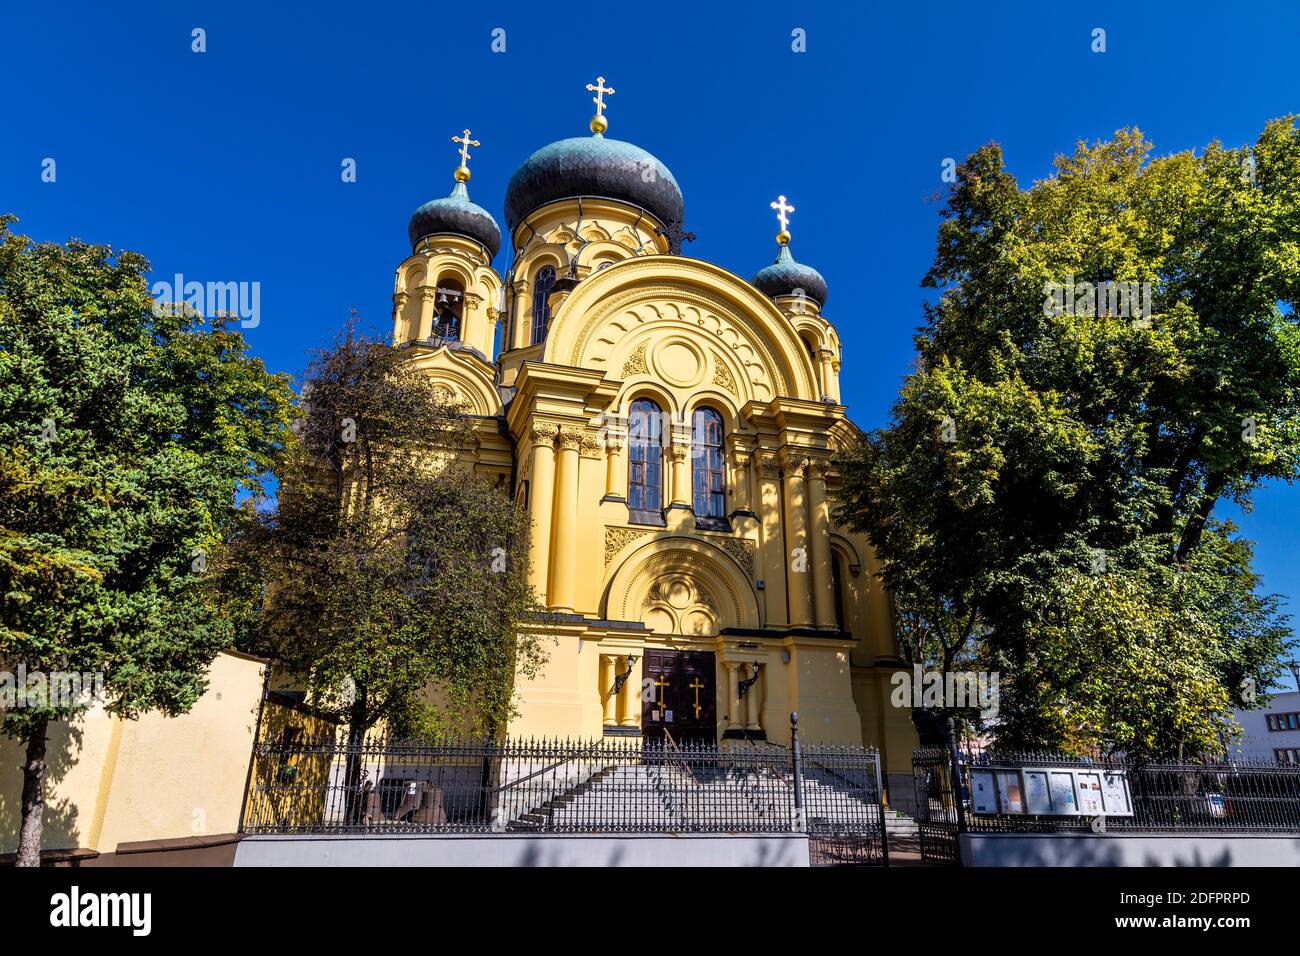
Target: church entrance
x,y
683,697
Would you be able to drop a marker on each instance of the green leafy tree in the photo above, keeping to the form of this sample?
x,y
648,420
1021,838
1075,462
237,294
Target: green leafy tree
x,y
125,439
1057,443
386,566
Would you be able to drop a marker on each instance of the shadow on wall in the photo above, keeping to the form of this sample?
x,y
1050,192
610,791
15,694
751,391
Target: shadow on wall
x,y
62,826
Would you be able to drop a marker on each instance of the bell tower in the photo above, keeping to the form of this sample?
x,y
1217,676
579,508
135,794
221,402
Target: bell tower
x,y
446,292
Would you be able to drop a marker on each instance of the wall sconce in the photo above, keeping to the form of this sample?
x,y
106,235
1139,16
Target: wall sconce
x,y
785,657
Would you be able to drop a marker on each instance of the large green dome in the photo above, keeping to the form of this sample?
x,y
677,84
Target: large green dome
x,y
597,167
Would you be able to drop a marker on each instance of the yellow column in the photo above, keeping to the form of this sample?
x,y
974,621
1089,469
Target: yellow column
x,y
681,492
798,560
490,336
629,700
564,556
734,719
519,323
740,481
541,502
428,294
823,583
772,538
608,669
399,305
751,701
824,370
613,434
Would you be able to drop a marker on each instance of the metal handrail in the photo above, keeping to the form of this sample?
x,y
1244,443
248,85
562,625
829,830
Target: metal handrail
x,y
681,757
537,773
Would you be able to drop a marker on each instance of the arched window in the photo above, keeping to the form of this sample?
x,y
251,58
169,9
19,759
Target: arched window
x,y
706,456
541,311
644,461
447,308
837,582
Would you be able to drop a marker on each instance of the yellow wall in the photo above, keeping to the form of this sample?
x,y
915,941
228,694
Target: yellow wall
x,y
112,781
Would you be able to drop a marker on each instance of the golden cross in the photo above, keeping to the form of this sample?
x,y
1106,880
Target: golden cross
x,y
465,144
661,684
600,89
782,208
698,685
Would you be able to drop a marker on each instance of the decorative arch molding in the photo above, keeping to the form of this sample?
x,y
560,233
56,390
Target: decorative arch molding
x,y
845,546
468,380
683,305
593,252
678,582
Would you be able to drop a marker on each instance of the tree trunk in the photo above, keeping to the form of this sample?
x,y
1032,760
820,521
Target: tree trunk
x,y
33,806
354,802
1195,526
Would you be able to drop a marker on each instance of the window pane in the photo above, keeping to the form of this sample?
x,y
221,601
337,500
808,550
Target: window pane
x,y
541,311
644,457
707,464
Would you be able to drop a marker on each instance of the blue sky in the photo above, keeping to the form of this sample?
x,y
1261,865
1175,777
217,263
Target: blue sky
x,y
225,165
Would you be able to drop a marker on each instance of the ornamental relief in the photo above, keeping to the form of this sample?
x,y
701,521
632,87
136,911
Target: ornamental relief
x,y
616,539
742,549
762,378
680,604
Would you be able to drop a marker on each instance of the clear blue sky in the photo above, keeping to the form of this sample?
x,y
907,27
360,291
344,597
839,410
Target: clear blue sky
x,y
225,165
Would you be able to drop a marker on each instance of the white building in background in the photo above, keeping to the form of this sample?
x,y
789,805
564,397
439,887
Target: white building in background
x,y
1272,733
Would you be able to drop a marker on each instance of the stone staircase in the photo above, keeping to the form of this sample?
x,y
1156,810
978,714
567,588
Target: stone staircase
x,y
899,826
667,798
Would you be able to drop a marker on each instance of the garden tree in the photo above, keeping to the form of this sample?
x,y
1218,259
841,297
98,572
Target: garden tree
x,y
386,566
1057,452
125,438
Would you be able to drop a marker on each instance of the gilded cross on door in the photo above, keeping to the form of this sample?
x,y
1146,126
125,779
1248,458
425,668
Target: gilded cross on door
x,y
661,684
697,686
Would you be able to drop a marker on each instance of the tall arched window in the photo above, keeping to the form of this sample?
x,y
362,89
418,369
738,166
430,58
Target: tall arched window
x,y
706,468
644,461
541,311
448,306
837,583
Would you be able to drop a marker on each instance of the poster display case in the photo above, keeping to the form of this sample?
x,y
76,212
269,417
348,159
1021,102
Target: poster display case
x,y
1049,791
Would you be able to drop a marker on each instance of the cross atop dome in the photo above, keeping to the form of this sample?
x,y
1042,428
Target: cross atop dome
x,y
783,209
462,171
598,122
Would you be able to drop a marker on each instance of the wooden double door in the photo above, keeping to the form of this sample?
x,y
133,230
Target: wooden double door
x,y
681,696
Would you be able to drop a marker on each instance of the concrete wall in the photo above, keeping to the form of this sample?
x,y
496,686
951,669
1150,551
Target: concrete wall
x,y
114,781
758,849
1111,849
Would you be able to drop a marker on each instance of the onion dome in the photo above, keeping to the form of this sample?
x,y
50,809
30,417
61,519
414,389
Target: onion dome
x,y
786,276
455,214
597,167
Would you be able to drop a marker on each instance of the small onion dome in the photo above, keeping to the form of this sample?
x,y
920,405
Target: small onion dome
x,y
597,167
785,276
456,215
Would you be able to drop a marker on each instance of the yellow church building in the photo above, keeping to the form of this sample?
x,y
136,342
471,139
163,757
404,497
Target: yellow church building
x,y
670,427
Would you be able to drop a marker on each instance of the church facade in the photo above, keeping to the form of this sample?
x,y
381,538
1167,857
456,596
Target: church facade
x,y
670,428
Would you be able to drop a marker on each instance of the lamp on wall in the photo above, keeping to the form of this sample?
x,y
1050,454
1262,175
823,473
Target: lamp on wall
x,y
1295,672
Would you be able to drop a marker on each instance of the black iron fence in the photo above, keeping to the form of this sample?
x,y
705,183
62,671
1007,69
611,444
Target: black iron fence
x,y
1165,797
328,783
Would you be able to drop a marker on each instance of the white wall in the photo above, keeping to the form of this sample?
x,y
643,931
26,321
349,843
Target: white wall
x,y
1257,742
